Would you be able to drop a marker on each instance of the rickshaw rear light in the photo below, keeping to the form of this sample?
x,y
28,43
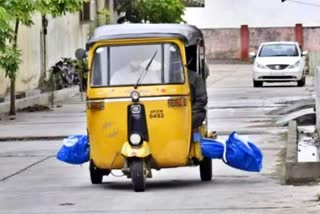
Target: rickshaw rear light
x,y
177,102
95,105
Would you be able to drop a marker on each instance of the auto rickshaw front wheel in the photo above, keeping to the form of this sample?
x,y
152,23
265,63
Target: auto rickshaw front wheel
x,y
96,174
206,169
138,174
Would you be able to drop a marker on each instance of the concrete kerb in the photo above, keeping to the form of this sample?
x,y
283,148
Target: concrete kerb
x,y
42,99
298,172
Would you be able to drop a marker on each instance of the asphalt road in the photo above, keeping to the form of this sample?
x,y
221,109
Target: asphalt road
x,y
33,181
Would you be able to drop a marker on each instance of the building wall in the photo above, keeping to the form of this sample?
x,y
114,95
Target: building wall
x,y
311,37
259,35
222,43
269,20
225,43
65,35
255,13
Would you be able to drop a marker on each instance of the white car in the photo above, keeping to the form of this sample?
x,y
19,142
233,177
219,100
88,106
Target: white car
x,y
279,62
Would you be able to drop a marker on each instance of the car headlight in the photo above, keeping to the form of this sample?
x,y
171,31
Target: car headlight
x,y
135,139
295,65
260,66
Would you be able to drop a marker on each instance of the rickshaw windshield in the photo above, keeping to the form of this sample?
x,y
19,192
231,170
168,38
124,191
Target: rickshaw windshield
x,y
137,64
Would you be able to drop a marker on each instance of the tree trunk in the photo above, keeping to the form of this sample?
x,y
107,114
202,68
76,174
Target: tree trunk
x,y
13,78
13,97
43,44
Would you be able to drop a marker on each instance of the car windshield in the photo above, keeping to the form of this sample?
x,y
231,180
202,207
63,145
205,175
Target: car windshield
x,y
137,64
272,50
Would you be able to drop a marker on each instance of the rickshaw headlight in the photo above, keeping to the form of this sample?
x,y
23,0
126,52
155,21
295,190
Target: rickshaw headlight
x,y
135,96
135,139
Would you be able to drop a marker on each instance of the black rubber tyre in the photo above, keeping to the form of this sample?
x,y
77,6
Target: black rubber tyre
x,y
257,84
95,174
137,174
206,169
302,82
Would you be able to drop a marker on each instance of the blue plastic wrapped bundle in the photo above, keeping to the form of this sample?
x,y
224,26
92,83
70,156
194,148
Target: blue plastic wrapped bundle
x,y
242,154
75,150
237,152
211,148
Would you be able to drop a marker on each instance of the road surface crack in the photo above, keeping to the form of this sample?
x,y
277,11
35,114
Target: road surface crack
x,y
26,168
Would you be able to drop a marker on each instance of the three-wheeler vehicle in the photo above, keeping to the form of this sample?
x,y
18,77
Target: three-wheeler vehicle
x,y
139,109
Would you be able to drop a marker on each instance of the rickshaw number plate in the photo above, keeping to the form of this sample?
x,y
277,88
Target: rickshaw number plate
x,y
135,109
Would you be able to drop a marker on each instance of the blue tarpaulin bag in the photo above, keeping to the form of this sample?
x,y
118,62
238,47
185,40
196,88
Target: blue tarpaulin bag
x,y
211,148
75,150
237,152
241,154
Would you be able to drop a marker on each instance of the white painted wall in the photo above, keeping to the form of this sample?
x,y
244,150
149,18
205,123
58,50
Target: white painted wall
x,y
65,35
255,13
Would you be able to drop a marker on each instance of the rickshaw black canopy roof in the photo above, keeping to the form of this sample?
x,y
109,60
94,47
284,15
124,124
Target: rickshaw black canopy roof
x,y
190,34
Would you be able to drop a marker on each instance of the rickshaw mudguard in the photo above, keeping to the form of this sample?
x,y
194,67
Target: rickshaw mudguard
x,y
135,151
195,148
195,151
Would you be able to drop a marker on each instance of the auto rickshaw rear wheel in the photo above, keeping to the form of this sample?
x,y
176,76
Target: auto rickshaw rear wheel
x,y
206,169
138,174
96,174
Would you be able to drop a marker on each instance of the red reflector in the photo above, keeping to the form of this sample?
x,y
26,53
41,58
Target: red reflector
x,y
95,105
176,102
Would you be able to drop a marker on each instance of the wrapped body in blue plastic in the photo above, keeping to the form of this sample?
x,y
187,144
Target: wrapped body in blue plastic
x,y
75,150
237,152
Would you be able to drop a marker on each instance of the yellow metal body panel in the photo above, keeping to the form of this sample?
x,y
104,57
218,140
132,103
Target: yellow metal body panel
x,y
169,136
129,151
195,151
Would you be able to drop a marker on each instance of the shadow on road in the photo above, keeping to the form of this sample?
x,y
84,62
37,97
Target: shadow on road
x,y
153,185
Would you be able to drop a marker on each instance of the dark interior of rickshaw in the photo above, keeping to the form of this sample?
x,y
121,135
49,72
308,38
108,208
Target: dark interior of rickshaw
x,y
191,52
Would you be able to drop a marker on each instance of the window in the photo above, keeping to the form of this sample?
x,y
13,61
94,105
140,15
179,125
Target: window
x,y
195,3
274,50
142,64
88,11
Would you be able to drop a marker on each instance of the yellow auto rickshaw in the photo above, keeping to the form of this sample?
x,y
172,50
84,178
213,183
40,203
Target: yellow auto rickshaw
x,y
139,109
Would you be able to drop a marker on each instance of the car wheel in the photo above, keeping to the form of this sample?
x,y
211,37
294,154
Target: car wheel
x,y
302,82
257,83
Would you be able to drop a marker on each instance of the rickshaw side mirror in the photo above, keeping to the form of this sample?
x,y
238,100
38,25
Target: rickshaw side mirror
x,y
252,54
305,53
80,54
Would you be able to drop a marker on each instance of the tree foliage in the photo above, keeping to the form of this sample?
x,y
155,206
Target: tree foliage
x,y
16,12
13,11
153,11
21,10
10,60
164,11
58,7
5,28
